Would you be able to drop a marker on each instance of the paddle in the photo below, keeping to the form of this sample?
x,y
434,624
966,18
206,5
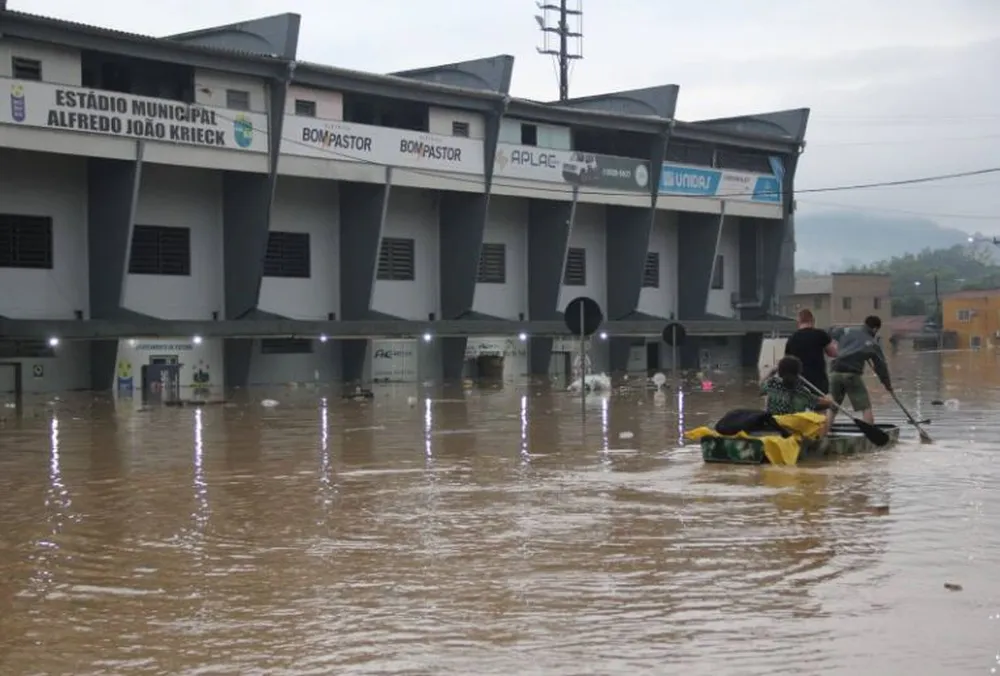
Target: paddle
x,y
877,436
924,437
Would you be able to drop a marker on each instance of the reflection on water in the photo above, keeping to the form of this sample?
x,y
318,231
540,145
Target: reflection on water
x,y
510,531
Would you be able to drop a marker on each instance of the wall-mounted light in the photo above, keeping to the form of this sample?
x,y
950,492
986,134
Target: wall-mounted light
x,y
522,336
53,342
323,338
604,336
196,340
132,342
428,337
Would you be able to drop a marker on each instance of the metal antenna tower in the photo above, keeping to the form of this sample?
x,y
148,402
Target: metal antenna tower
x,y
563,21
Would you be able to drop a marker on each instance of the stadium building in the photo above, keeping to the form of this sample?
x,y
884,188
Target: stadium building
x,y
207,200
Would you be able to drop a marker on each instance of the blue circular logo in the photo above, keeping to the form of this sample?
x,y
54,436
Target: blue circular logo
x,y
243,131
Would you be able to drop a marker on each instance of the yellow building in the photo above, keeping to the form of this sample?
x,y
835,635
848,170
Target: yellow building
x,y
974,317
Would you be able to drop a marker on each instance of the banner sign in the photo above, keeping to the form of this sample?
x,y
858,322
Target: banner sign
x,y
601,172
87,111
384,146
679,179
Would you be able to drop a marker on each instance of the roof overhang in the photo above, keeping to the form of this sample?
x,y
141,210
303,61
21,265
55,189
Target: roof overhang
x,y
689,131
81,36
543,112
391,86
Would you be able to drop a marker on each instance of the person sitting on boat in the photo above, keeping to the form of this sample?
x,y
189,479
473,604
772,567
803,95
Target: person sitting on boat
x,y
785,393
855,349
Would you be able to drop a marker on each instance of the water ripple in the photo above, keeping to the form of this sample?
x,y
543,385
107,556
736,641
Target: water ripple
x,y
494,533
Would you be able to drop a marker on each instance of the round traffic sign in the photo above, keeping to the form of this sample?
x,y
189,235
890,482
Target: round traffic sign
x,y
674,334
583,316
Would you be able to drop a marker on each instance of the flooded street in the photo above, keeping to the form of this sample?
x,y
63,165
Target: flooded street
x,y
495,533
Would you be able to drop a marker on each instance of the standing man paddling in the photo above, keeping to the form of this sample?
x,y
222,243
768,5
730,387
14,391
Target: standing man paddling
x,y
812,346
857,348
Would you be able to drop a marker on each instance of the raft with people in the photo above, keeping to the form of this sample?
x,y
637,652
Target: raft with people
x,y
769,447
797,422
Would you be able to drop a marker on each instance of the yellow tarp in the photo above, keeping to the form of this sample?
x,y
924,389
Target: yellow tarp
x,y
779,450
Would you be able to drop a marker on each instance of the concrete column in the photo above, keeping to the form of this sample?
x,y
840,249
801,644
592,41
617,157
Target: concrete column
x,y
363,207
247,200
112,195
463,218
628,233
697,235
549,227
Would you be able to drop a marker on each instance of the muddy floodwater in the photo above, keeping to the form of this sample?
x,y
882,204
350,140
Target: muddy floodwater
x,y
495,531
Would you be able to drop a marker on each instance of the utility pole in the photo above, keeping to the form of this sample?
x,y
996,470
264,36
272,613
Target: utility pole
x,y
555,20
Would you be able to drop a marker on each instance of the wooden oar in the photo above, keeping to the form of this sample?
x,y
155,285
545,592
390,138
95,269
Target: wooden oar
x,y
924,437
874,434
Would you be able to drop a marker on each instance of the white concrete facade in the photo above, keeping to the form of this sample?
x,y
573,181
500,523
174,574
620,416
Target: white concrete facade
x,y
589,233
508,225
43,172
182,198
412,215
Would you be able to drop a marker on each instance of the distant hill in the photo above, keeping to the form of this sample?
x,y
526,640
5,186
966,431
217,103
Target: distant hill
x,y
828,241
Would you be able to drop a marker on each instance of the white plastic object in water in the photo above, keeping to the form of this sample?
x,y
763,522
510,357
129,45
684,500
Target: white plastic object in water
x,y
659,380
595,382
268,403
952,404
626,435
411,401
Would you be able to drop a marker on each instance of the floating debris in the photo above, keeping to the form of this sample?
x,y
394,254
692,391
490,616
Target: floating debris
x,y
951,586
625,435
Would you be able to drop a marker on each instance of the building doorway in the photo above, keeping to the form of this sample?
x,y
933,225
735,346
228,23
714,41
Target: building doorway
x,y
652,358
11,383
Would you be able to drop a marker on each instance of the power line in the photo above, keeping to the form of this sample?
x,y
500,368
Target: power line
x,y
905,181
922,141
907,212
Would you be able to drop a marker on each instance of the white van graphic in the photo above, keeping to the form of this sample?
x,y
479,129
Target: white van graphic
x,y
581,168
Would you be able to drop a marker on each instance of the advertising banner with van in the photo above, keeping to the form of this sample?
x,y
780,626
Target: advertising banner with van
x,y
589,170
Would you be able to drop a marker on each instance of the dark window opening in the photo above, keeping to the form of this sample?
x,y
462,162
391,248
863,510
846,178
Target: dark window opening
x,y
718,274
25,242
141,77
493,264
160,250
690,152
286,346
651,273
846,302
237,99
287,255
396,260
460,129
576,267
26,349
304,108
385,112
616,143
877,303
742,160
529,135
25,69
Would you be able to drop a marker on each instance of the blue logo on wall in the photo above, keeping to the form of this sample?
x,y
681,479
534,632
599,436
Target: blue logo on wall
x,y
243,131
680,180
18,105
767,189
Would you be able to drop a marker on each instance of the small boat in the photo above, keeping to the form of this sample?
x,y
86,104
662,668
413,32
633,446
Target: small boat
x,y
842,440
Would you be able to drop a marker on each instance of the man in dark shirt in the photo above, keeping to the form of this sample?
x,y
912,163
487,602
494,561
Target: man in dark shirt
x,y
812,346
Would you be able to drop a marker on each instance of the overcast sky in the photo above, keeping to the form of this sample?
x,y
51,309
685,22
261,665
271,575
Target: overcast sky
x,y
897,89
